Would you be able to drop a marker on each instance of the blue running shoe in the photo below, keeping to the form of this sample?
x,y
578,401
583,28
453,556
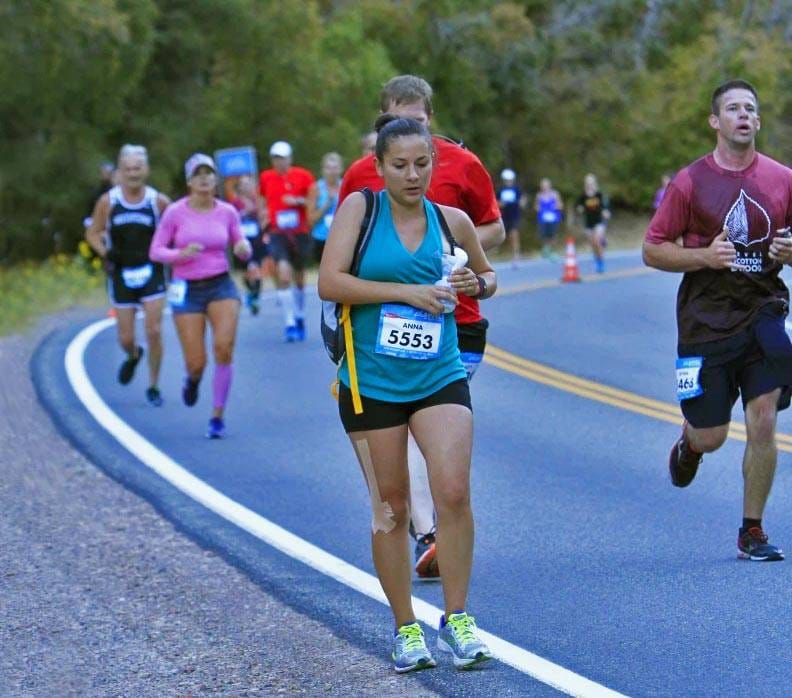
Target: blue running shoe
x,y
599,264
154,396
190,392
253,303
409,650
457,635
300,329
216,428
752,545
290,333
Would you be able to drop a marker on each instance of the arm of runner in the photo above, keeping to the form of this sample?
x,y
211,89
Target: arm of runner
x,y
491,234
312,211
466,279
240,244
160,249
95,233
606,212
669,256
162,203
337,284
481,204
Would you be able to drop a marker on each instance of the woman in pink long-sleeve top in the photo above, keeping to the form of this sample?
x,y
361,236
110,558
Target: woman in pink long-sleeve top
x,y
193,237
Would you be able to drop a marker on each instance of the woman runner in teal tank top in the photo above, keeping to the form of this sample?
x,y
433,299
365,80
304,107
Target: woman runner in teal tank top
x,y
409,373
391,371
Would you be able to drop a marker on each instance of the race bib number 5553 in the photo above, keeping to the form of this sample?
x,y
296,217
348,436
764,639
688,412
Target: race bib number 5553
x,y
408,333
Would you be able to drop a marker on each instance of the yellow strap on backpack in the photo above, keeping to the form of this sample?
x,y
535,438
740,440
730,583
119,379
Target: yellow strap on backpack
x,y
349,347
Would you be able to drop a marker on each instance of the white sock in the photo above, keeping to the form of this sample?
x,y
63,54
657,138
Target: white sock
x,y
287,306
298,295
421,504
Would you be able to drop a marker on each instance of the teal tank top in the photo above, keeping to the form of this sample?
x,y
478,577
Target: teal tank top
x,y
382,330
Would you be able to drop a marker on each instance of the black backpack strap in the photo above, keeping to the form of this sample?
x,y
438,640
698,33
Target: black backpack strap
x,y
444,227
366,226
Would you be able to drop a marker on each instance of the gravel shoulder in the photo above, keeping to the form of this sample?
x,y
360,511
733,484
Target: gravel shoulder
x,y
101,596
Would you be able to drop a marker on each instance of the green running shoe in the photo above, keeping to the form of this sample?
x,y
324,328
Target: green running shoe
x,y
409,649
457,635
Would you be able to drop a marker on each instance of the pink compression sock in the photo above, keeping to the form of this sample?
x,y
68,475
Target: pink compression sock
x,y
221,382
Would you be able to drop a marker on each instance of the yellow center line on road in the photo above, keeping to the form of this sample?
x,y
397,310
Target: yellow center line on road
x,y
599,392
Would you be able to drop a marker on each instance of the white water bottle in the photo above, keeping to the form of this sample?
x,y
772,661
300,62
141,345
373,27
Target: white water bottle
x,y
451,262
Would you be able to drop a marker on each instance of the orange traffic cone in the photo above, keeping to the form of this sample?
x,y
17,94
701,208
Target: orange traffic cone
x,y
571,271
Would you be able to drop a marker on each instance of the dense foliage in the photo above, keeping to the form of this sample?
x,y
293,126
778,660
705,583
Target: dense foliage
x,y
548,87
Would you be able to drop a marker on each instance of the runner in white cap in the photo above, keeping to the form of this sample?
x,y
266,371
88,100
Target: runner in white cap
x,y
285,189
511,201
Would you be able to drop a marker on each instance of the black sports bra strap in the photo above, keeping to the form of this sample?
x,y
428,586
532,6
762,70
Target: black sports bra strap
x,y
444,226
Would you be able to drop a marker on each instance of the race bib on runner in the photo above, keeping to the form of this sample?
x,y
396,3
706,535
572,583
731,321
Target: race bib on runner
x,y
177,292
688,370
408,333
549,217
287,220
249,229
508,196
137,277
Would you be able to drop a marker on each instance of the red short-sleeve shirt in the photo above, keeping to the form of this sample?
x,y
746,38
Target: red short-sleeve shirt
x,y
459,179
753,204
286,218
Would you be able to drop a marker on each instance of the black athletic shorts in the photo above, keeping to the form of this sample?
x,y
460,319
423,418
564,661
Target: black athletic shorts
x,y
472,340
260,249
752,363
130,287
318,249
297,249
378,414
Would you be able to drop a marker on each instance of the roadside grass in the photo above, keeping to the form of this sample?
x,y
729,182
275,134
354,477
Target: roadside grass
x,y
33,289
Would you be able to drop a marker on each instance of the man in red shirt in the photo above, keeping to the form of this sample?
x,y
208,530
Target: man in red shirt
x,y
285,188
460,180
731,210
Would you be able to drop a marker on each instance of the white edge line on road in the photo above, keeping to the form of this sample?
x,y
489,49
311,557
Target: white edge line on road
x,y
541,669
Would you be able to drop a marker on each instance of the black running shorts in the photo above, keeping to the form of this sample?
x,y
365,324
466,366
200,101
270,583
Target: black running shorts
x,y
297,249
378,414
753,363
130,287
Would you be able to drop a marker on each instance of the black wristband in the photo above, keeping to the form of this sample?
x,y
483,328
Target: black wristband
x,y
482,292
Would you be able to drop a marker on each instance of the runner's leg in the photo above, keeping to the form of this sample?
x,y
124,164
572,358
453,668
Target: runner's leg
x,y
153,323
125,324
421,505
445,436
382,454
223,316
761,453
191,328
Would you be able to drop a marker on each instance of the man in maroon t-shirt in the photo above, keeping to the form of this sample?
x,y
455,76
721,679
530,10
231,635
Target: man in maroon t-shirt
x,y
460,180
731,211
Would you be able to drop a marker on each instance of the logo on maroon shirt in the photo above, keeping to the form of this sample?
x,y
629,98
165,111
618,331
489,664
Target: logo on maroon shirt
x,y
749,226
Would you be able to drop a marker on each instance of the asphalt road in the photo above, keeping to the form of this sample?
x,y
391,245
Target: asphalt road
x,y
585,555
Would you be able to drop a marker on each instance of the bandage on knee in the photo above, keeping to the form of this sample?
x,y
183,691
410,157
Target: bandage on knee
x,y
382,518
